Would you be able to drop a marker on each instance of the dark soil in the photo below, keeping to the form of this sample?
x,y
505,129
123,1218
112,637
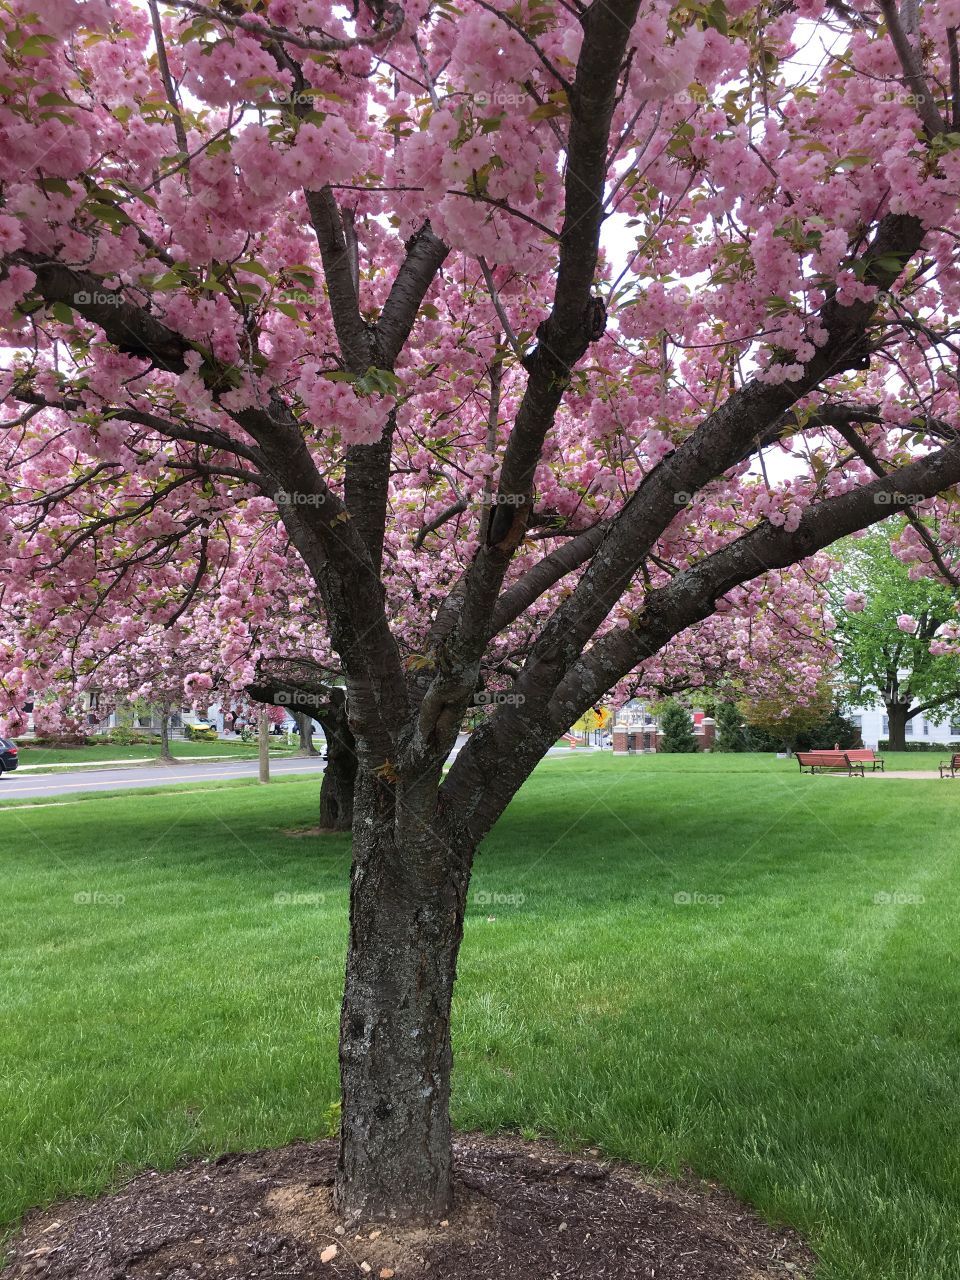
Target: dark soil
x,y
525,1211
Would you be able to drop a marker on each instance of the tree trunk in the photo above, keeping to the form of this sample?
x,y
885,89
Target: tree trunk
x,y
897,715
340,772
166,755
406,923
305,730
263,746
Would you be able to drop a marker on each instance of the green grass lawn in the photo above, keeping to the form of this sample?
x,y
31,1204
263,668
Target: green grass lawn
x,y
709,963
182,748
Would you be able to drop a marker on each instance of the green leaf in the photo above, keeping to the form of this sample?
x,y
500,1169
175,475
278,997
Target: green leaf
x,y
889,262
717,17
36,46
257,268
57,185
62,312
547,111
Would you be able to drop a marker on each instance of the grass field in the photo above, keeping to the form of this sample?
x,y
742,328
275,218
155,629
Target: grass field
x,y
708,963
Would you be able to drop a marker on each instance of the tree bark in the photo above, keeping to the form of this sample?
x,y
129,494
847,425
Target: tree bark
x,y
263,746
305,730
340,771
406,923
898,713
166,755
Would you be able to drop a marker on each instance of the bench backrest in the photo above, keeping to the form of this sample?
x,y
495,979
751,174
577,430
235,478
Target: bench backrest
x,y
955,761
822,757
864,753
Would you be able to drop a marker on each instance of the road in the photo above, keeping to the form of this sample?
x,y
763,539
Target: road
x,y
17,786
14,787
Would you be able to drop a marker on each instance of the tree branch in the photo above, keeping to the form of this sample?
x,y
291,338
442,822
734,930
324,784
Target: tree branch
x,y
513,739
913,77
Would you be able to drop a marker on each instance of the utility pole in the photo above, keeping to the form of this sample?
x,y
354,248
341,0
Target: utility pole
x,y
263,742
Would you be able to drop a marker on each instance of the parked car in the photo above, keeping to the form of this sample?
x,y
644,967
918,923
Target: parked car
x,y
9,756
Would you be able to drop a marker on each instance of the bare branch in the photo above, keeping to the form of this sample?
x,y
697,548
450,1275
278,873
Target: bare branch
x,y
322,44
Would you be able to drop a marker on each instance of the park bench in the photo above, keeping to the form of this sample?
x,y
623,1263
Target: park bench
x,y
828,762
867,756
950,768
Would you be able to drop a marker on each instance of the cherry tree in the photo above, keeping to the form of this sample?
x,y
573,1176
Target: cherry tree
x,y
271,259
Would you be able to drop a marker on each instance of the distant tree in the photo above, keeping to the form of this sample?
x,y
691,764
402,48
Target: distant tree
x,y
676,731
887,624
775,725
730,733
834,731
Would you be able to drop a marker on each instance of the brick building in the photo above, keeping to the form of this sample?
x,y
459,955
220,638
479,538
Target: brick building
x,y
636,730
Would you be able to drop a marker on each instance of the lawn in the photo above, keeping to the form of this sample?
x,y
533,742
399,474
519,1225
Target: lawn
x,y
709,963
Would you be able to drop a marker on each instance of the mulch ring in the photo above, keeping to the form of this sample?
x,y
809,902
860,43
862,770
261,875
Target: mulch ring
x,y
525,1211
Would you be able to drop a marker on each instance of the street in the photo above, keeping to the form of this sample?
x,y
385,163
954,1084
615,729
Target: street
x,y
13,787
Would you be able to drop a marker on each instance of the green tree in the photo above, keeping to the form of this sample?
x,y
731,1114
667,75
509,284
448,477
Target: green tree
x,y
730,734
879,658
676,730
780,725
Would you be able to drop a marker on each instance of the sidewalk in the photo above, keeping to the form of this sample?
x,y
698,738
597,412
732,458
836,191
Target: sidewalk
x,y
138,760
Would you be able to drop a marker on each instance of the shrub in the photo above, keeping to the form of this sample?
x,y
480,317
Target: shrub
x,y
58,740
197,734
945,748
730,729
676,729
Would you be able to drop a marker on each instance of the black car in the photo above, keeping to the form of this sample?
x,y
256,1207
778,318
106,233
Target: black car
x,y
9,756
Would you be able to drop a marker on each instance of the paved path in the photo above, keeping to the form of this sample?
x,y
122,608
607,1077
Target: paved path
x,y
907,773
15,787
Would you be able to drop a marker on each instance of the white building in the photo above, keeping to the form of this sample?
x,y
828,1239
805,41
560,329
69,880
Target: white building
x,y
874,726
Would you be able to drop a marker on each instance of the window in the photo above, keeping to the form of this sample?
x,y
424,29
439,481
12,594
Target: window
x,y
857,721
909,728
886,726
926,729
955,728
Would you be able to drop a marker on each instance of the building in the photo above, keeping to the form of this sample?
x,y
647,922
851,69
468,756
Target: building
x,y
875,727
636,729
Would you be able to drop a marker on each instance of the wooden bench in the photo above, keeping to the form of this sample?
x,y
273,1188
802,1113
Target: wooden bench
x,y
829,762
867,756
950,768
